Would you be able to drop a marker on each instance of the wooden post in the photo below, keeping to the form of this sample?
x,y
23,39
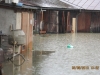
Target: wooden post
x,y
63,21
73,25
41,22
57,22
68,22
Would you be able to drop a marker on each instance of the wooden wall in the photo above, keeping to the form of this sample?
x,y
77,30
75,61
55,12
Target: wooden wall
x,y
84,22
26,18
56,21
95,22
46,21
62,24
68,25
65,20
30,36
27,27
49,19
53,22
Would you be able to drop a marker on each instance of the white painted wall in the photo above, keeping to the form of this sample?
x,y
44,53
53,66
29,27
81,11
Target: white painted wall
x,y
18,20
7,18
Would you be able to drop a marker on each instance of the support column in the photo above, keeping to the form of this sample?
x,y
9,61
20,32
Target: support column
x,y
73,25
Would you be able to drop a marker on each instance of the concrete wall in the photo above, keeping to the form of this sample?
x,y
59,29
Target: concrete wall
x,y
18,20
7,18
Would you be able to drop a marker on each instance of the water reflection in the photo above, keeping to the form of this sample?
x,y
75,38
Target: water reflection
x,y
17,67
86,52
52,57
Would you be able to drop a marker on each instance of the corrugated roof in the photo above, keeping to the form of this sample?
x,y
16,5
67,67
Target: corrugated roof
x,y
84,4
48,3
72,4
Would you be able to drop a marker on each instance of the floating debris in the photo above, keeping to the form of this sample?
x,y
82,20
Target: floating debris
x,y
69,46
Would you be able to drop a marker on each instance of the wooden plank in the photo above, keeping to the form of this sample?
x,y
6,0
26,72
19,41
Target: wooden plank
x,y
60,21
46,21
87,22
30,37
63,22
95,22
42,32
25,24
53,22
84,22
27,27
81,22
57,22
68,22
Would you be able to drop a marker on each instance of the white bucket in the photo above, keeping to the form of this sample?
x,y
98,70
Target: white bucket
x,y
10,1
15,1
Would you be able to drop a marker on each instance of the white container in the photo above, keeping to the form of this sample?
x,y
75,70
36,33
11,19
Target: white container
x,y
19,37
15,1
10,1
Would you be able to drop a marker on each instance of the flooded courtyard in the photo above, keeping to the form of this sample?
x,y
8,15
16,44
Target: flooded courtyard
x,y
52,56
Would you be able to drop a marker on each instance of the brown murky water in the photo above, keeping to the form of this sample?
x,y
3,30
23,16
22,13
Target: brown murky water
x,y
52,57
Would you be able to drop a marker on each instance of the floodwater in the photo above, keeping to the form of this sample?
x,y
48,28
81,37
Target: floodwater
x,y
52,56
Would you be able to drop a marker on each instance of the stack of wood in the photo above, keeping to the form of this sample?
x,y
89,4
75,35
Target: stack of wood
x,y
42,32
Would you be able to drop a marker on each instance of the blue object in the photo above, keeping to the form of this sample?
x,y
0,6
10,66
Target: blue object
x,y
69,46
19,4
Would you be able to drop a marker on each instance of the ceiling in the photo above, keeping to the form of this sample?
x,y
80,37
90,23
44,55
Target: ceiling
x,y
72,4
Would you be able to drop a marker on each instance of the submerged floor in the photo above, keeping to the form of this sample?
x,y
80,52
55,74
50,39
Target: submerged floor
x,y
52,57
